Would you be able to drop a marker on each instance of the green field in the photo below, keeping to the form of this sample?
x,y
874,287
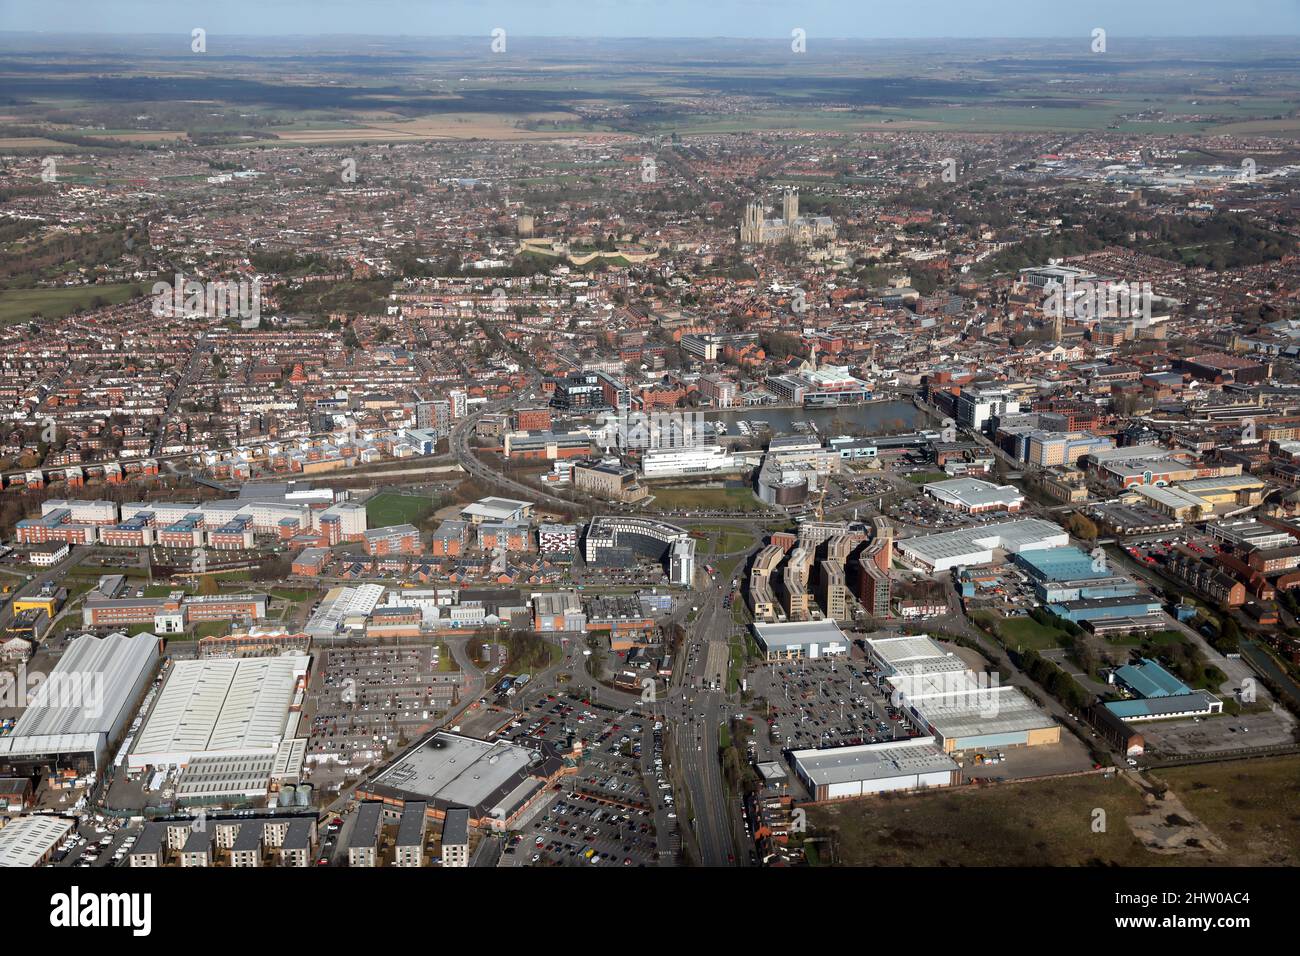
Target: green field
x,y
722,539
18,305
926,477
293,595
1026,633
212,629
389,508
706,499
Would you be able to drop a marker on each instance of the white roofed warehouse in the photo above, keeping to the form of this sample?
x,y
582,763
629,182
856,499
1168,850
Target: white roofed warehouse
x,y
976,546
801,639
972,496
221,707
963,710
841,773
84,706
30,841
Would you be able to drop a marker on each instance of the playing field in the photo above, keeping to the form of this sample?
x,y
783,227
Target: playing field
x,y
18,305
389,508
706,499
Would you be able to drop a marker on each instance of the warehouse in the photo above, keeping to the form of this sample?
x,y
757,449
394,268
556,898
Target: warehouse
x,y
1174,502
30,841
961,709
983,718
1121,519
1067,574
972,496
1148,679
497,780
973,546
221,707
1159,694
1198,703
83,707
800,639
841,773
1107,608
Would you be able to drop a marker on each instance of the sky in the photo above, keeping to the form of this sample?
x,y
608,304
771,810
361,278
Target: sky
x,y
662,18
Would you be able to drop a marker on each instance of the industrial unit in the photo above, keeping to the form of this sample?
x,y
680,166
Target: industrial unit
x,y
84,706
794,639
963,710
840,773
953,549
221,708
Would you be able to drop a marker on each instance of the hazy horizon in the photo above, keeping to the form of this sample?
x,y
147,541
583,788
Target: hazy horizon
x,y
658,19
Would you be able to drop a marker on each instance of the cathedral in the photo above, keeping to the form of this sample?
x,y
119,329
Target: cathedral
x,y
757,231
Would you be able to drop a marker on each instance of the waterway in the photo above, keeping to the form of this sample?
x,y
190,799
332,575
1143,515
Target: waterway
x,y
1268,667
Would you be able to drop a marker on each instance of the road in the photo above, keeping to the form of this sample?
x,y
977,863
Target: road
x,y
202,347
698,712
51,575
459,443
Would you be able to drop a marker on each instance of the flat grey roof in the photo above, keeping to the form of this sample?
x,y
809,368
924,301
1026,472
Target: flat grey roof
x,y
1009,535
455,827
799,632
410,828
984,711
85,696
365,828
900,650
872,761
460,770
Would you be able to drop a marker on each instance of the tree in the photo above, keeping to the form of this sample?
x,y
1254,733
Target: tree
x,y
1081,526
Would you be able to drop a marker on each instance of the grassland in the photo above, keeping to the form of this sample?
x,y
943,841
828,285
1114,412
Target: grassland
x,y
389,508
722,539
1251,805
706,499
211,628
926,477
18,305
1026,633
1048,823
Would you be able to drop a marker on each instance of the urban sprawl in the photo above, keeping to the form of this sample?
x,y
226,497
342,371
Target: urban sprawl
x,y
618,500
